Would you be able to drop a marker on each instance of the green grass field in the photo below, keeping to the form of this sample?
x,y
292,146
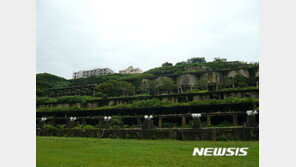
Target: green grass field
x,y
67,151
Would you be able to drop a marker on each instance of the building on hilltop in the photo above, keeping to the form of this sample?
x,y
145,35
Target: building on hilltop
x,y
131,70
87,73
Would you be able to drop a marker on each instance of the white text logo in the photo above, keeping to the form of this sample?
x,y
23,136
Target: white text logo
x,y
220,151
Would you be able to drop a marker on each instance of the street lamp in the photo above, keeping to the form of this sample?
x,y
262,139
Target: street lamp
x,y
196,115
107,118
148,117
43,119
196,120
148,123
73,119
252,113
251,119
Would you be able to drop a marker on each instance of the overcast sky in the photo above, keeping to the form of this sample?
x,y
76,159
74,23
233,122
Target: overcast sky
x,y
75,35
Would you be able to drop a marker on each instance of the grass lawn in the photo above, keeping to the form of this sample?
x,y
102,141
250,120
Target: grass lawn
x,y
68,151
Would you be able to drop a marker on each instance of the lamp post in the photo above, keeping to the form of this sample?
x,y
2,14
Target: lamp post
x,y
107,121
107,118
196,120
148,122
43,121
251,118
72,121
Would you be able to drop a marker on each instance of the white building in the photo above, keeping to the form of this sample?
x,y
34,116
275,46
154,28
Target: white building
x,y
131,70
87,73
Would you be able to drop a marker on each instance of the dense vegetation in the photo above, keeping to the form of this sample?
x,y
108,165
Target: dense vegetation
x,y
130,84
114,88
98,96
158,103
47,81
65,99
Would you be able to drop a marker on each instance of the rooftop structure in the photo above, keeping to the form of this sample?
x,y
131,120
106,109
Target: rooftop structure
x,y
87,73
131,70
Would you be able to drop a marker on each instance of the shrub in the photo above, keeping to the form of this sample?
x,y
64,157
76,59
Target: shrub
x,y
241,88
48,127
78,127
114,88
224,124
65,99
158,103
61,126
88,127
169,125
60,109
116,122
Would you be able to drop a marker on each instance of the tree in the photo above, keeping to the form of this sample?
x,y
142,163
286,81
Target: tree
x,y
114,88
151,87
241,81
197,60
166,84
125,88
202,83
167,64
181,63
227,82
219,59
238,81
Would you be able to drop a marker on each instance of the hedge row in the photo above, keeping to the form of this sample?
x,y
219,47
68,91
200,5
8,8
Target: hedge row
x,y
158,103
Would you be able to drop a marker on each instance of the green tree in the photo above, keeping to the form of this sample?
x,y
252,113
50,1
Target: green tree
x,y
219,59
227,82
202,83
166,85
151,87
114,88
197,60
167,64
182,63
241,81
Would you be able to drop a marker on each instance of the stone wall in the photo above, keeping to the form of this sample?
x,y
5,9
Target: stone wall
x,y
243,72
257,74
186,80
195,68
212,77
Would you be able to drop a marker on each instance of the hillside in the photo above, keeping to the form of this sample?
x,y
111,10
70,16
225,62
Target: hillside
x,y
46,81
165,79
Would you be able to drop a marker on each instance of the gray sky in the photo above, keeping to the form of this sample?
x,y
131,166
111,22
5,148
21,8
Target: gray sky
x,y
75,35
